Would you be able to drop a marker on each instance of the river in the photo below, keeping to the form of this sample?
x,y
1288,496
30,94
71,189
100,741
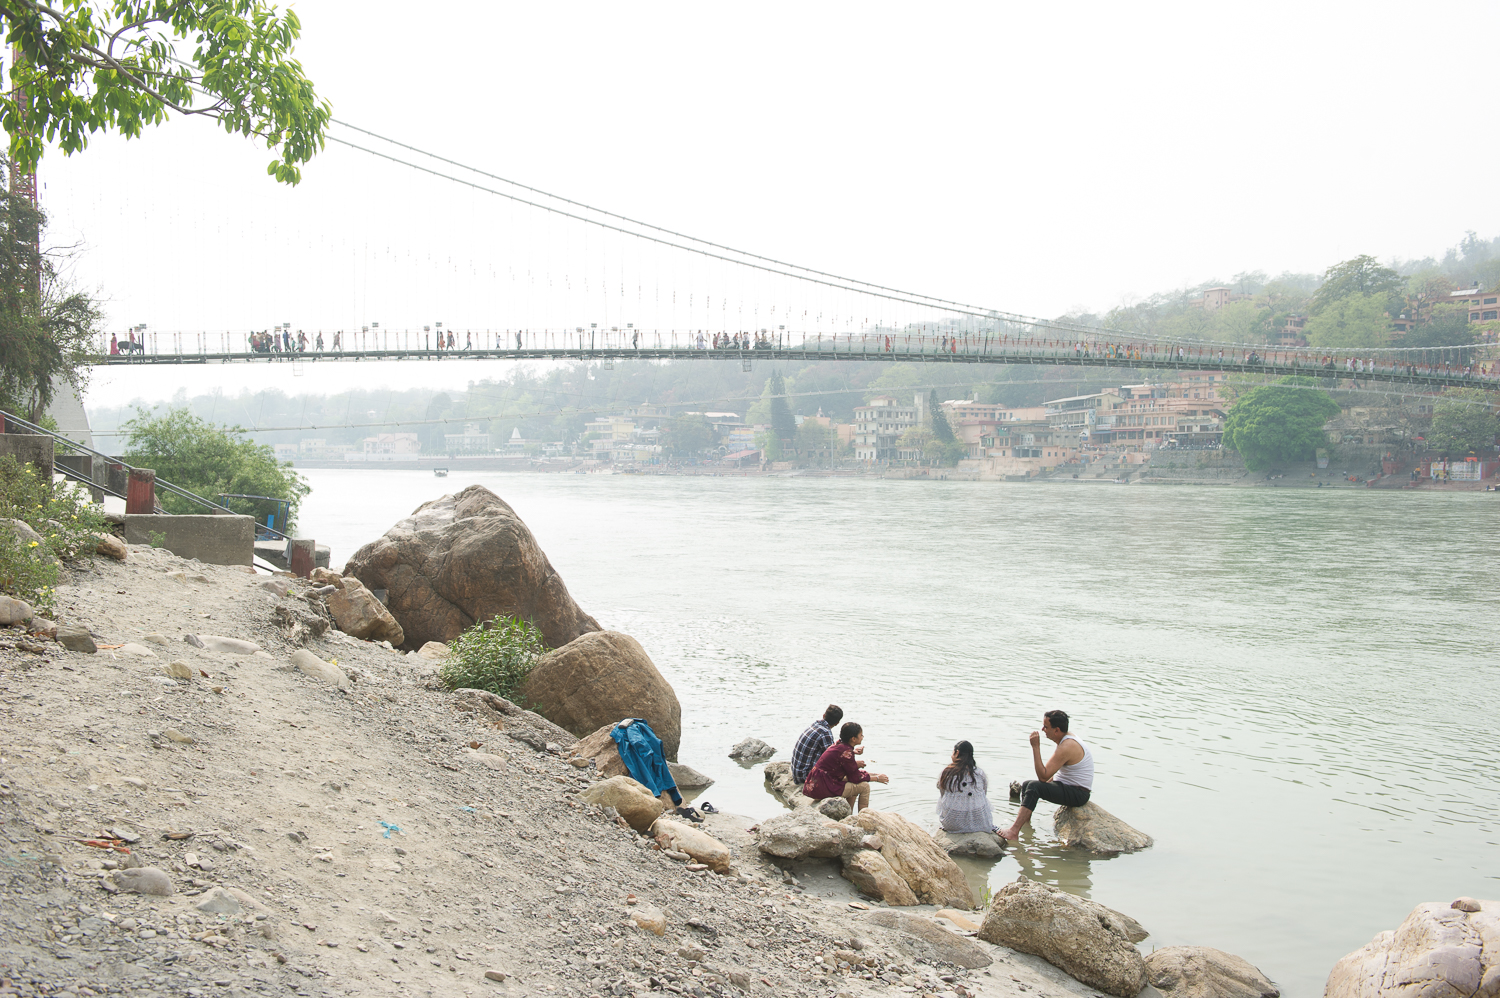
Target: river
x,y
1293,691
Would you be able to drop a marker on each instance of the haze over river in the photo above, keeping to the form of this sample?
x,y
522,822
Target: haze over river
x,y
1293,691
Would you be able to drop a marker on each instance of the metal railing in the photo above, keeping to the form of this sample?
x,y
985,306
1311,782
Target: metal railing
x,y
176,490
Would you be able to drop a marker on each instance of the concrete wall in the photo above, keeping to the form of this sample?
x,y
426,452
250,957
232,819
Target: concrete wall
x,y
29,448
216,540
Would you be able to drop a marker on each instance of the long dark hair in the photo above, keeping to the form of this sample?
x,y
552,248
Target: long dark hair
x,y
955,773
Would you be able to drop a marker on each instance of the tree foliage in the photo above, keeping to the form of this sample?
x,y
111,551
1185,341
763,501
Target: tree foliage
x,y
1356,320
1278,424
1443,326
495,655
941,431
208,460
83,66
1361,276
62,516
689,434
1464,421
46,327
783,423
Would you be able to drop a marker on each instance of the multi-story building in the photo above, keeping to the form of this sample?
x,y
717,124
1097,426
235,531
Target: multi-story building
x,y
1484,306
394,447
1216,298
473,441
1146,423
1072,420
878,427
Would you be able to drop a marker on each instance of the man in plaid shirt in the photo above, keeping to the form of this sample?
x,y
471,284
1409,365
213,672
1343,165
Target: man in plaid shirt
x,y
813,742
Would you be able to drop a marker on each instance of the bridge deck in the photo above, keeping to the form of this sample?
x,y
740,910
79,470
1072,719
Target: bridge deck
x,y
1387,369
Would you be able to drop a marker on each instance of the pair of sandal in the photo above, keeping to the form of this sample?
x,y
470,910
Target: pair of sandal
x,y
692,814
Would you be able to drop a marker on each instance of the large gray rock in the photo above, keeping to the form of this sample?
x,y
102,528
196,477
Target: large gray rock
x,y
986,845
932,876
1095,829
602,678
1083,939
751,750
936,943
779,784
464,558
360,615
1205,972
1439,951
806,833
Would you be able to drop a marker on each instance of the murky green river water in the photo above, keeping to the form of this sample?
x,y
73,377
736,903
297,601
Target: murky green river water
x,y
1294,692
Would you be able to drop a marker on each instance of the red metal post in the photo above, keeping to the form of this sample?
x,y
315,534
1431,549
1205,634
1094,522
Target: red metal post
x,y
140,493
301,562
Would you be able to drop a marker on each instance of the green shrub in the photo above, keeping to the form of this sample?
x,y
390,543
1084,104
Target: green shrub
x,y
64,517
495,655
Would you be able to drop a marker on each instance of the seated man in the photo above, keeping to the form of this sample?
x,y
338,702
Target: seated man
x,y
1067,778
812,742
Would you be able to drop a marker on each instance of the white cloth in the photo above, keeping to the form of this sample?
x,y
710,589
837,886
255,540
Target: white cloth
x,y
967,809
1080,773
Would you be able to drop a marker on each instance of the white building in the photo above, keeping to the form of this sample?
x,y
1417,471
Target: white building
x,y
473,440
879,425
394,447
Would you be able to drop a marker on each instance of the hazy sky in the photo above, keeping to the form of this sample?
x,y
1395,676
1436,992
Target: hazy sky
x,y
1032,160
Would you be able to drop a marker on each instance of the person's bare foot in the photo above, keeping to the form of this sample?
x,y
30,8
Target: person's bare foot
x,y
1010,834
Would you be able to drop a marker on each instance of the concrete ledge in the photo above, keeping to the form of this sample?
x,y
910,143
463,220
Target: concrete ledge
x,y
215,540
29,448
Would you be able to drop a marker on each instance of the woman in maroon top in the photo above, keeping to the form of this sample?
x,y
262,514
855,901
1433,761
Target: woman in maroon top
x,y
837,774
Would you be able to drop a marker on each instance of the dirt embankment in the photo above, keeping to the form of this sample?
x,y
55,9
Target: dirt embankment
x,y
353,841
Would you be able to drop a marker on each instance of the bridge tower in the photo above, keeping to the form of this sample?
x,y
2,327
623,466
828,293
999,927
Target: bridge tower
x,y
23,187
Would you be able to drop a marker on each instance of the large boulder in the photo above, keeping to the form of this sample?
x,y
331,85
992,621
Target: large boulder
x,y
932,876
986,845
1440,951
868,871
359,614
1095,829
700,845
806,833
601,678
1205,972
779,784
937,943
632,800
1083,939
463,558
600,749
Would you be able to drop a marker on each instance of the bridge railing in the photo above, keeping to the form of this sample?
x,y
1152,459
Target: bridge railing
x,y
1478,363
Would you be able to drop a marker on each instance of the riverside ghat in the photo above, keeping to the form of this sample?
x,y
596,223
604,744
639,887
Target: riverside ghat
x,y
550,801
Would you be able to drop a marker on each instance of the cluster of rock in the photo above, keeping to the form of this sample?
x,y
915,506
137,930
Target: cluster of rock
x,y
468,557
1441,950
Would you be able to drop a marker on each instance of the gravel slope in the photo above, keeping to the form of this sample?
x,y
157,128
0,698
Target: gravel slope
x,y
354,841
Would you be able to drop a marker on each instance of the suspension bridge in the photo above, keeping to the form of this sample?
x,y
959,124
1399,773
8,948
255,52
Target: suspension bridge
x,y
1422,370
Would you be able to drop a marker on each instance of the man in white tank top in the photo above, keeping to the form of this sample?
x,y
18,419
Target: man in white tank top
x,y
1067,778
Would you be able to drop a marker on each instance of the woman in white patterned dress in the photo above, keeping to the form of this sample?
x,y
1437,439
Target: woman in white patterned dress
x,y
963,801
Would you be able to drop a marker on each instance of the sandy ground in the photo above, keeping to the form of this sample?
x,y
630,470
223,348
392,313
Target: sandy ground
x,y
352,840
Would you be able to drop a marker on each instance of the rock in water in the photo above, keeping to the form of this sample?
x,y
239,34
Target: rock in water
x,y
1205,972
145,880
1438,952
700,845
633,801
602,678
779,784
806,833
463,558
359,614
1095,829
932,876
984,844
1069,933
750,750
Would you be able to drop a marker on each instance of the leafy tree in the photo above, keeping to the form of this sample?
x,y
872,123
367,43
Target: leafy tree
x,y
208,460
1278,424
783,423
923,439
83,66
1358,320
1361,276
941,431
1464,421
46,328
1445,326
689,434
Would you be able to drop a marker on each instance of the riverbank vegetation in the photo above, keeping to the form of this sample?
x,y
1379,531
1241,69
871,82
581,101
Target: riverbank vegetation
x,y
41,523
209,460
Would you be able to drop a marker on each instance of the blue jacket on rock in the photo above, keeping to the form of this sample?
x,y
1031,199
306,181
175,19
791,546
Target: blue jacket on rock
x,y
641,752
